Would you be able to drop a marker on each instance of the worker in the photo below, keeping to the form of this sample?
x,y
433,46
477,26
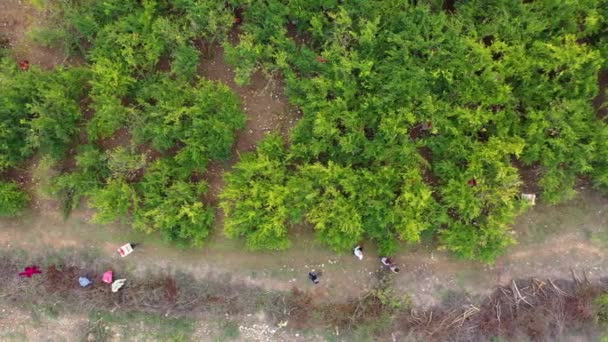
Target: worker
x,y
358,252
314,277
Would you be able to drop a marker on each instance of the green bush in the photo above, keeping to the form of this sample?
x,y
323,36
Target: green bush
x,y
17,91
125,163
171,205
201,118
12,199
113,202
257,201
90,171
56,110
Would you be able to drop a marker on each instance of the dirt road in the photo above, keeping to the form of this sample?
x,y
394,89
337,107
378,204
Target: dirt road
x,y
552,239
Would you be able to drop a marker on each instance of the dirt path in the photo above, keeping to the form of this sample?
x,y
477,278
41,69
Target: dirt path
x,y
552,240
36,324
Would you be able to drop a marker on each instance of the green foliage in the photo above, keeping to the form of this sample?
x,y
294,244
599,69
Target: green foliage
x,y
56,111
201,118
12,199
413,118
257,201
185,62
209,19
601,307
126,41
171,205
113,202
17,90
39,110
124,163
109,84
128,87
90,171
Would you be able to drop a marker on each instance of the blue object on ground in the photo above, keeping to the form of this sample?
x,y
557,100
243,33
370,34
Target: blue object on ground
x,y
84,281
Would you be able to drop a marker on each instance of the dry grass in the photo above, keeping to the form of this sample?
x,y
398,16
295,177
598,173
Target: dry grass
x,y
528,309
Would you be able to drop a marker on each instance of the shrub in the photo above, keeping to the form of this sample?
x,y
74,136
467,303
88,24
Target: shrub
x,y
12,199
257,201
113,202
56,111
17,90
125,163
200,118
171,205
91,169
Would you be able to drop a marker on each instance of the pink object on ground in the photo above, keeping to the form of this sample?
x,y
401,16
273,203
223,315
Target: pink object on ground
x,y
30,271
107,277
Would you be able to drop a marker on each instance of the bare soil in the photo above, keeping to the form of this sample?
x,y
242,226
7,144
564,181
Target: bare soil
x,y
600,102
264,102
16,18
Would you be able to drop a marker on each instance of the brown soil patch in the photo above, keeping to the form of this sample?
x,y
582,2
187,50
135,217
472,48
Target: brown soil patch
x,y
264,103
449,6
122,137
530,176
599,102
16,18
300,39
263,100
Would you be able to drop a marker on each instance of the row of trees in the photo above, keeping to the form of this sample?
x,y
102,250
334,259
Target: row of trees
x,y
415,119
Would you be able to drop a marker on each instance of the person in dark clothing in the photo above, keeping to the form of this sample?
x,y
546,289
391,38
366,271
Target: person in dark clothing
x,y
314,277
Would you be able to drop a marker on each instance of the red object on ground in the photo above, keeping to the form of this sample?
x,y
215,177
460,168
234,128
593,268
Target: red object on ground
x,y
24,65
30,271
321,59
237,20
472,182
